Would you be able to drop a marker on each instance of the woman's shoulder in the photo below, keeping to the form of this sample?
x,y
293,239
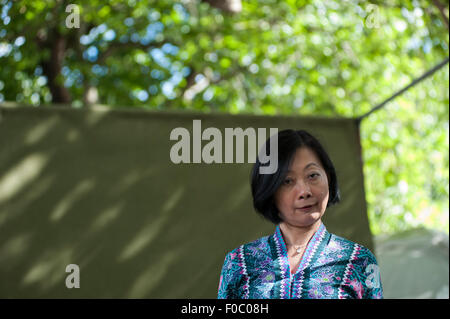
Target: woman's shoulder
x,y
362,273
358,251
258,245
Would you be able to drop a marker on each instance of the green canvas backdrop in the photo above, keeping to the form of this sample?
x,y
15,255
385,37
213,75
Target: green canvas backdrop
x,y
97,188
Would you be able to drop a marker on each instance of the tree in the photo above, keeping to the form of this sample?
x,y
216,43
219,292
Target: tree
x,y
261,57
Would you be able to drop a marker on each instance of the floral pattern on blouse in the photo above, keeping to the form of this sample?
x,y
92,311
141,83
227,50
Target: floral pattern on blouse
x,y
331,267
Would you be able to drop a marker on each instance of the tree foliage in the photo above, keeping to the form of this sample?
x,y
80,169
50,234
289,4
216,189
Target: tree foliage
x,y
332,58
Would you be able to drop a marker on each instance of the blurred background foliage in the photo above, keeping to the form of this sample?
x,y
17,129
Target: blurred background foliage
x,y
327,58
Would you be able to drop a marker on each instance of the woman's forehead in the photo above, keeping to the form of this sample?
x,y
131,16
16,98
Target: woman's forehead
x,y
304,159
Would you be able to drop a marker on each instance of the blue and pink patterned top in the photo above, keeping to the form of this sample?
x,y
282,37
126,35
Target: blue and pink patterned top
x,y
331,267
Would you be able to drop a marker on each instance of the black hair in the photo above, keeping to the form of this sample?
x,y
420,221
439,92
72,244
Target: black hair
x,y
264,186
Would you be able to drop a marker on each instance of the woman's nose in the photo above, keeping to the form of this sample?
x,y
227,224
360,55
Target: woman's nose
x,y
303,189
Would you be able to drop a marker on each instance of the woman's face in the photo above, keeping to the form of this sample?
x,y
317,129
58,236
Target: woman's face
x,y
305,184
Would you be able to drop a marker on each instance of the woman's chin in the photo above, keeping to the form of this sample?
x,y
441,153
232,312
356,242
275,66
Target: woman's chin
x,y
306,220
312,218
313,215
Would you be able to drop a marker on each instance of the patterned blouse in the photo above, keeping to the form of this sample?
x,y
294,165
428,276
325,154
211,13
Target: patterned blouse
x,y
331,267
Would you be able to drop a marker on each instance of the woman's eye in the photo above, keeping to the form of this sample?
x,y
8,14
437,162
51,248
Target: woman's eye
x,y
314,175
288,181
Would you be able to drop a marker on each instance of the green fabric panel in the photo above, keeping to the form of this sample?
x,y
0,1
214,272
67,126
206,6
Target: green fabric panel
x,y
97,188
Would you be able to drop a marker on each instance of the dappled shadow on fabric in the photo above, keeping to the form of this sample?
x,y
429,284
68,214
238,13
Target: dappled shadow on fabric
x,y
97,189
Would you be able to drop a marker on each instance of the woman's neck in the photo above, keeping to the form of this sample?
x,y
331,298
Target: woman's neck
x,y
295,235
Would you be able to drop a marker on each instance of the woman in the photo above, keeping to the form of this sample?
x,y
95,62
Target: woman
x,y
302,259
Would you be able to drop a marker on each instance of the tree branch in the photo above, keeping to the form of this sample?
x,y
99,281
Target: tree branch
x,y
441,10
115,46
231,6
192,88
52,66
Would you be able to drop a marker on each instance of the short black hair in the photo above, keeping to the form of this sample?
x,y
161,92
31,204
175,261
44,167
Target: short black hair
x,y
264,186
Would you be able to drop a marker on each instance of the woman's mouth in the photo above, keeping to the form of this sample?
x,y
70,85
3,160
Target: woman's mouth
x,y
307,208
